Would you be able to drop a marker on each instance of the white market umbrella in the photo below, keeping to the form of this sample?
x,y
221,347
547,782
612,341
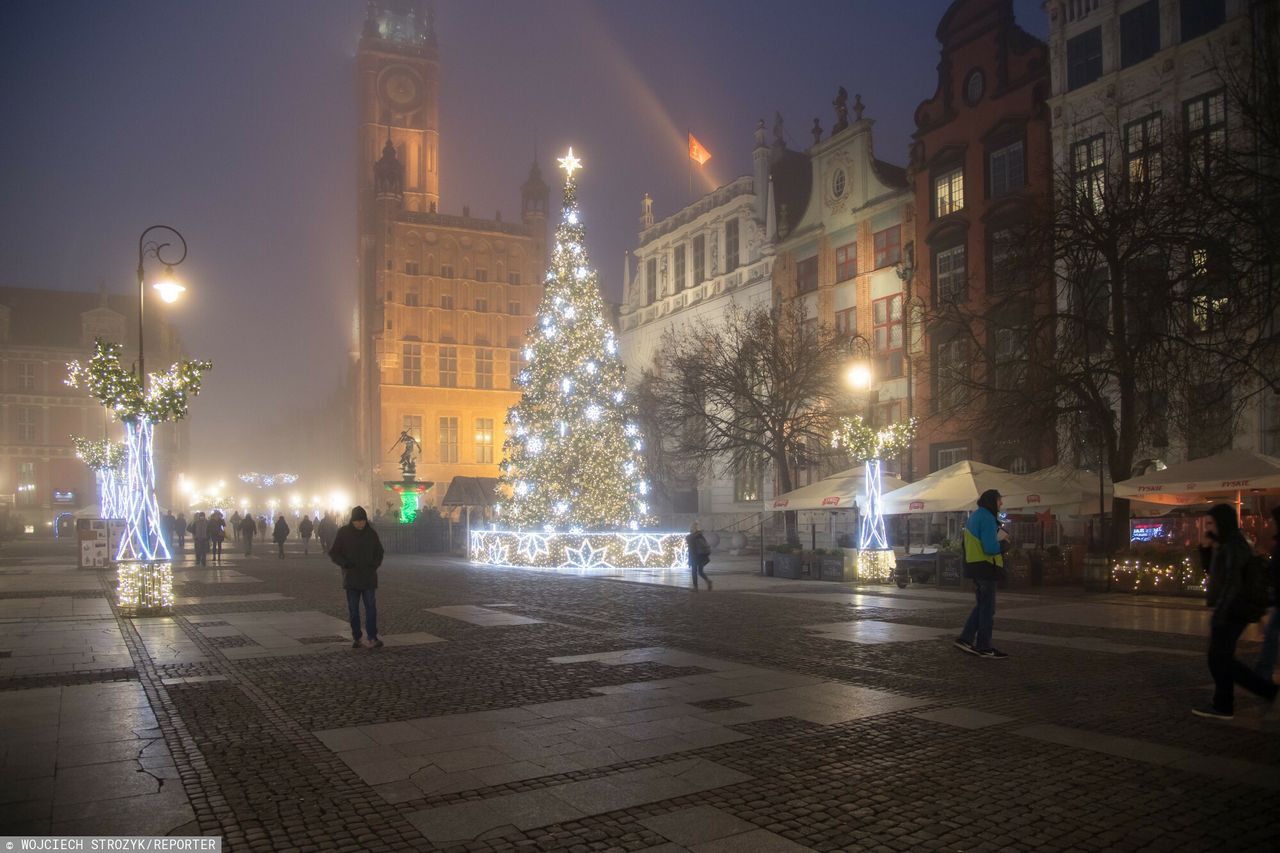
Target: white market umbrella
x,y
957,487
1083,484
1230,474
839,491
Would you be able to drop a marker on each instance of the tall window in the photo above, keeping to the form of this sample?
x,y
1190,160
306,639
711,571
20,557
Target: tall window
x,y
482,274
484,367
484,440
731,245
514,365
807,275
1205,120
1209,298
949,275
26,376
513,308
411,299
886,336
27,495
1142,149
449,367
1209,419
948,192
888,246
1139,33
1005,167
1271,424
748,484
699,259
513,278
846,261
446,301
847,322
410,363
651,281
1003,275
1084,58
482,304
446,270
950,374
1089,170
26,424
412,424
678,266
1008,354
949,453
411,267
1201,16
448,439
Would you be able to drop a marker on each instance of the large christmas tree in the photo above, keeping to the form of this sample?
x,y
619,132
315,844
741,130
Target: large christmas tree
x,y
573,452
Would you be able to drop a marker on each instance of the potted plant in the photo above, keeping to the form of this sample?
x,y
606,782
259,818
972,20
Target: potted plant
x,y
785,561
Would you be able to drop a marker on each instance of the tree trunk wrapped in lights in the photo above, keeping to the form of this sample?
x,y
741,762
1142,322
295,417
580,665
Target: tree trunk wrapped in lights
x,y
107,461
871,447
165,398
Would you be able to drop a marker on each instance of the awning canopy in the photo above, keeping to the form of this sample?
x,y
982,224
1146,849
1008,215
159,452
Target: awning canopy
x,y
1084,484
956,489
839,491
471,491
1223,475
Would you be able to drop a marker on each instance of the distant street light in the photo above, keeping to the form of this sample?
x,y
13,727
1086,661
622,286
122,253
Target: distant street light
x,y
858,376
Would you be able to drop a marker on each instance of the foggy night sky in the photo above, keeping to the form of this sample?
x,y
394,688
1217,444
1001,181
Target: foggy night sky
x,y
235,122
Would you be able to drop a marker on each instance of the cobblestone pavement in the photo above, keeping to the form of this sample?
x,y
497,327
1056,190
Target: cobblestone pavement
x,y
517,710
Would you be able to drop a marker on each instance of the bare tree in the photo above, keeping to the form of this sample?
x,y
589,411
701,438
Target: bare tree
x,y
761,387
1125,311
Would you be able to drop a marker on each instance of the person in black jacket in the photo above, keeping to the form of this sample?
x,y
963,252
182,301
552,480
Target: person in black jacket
x,y
280,534
1226,551
358,550
1271,637
699,555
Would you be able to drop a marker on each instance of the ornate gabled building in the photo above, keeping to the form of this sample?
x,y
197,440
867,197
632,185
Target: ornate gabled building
x,y
844,218
980,162
689,269
444,300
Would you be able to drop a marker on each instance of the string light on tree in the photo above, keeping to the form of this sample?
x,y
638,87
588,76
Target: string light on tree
x,y
870,446
106,459
572,459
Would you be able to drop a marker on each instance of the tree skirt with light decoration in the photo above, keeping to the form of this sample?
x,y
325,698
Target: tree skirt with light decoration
x,y
597,550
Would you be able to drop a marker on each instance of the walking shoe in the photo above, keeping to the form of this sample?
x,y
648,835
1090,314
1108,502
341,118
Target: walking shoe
x,y
963,646
993,654
1211,713
376,644
355,644
708,584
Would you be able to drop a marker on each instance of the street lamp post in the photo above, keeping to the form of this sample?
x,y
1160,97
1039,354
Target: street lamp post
x,y
167,287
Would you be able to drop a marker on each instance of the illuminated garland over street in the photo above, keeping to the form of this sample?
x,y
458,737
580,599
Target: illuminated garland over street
x,y
107,459
870,446
165,398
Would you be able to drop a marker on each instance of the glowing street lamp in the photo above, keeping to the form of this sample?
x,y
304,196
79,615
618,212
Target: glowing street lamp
x,y
859,376
168,287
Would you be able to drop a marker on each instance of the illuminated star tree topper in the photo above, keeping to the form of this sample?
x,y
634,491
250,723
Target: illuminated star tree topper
x,y
573,458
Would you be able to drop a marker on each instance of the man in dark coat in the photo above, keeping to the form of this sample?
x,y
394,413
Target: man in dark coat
x,y
304,531
248,529
280,534
699,555
358,550
1227,552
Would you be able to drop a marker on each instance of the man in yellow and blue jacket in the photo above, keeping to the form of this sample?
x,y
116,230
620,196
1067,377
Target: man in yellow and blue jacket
x,y
984,547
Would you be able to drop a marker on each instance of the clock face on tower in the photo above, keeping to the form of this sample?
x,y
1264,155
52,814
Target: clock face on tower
x,y
400,88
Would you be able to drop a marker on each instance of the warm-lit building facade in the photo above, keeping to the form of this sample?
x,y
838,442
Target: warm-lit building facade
x,y
444,300
40,331
980,158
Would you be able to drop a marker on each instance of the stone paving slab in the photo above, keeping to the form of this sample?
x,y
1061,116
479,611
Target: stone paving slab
x,y
874,632
482,616
61,644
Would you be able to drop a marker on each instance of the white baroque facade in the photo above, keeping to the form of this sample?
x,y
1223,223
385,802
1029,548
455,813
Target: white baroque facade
x,y
686,272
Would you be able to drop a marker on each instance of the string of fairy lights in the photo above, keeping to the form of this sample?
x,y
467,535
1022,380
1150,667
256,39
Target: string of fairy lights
x,y
871,447
106,459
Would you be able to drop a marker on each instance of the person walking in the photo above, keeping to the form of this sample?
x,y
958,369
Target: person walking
x,y
328,529
357,550
304,530
235,525
248,529
280,534
699,555
181,529
1271,636
984,545
1227,554
199,530
217,533
167,522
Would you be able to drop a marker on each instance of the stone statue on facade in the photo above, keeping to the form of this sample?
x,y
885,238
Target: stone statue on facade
x,y
816,130
841,103
857,107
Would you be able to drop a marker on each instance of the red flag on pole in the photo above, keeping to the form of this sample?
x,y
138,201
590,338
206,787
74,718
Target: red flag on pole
x,y
697,151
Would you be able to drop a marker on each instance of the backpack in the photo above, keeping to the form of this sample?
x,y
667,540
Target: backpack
x,y
1256,593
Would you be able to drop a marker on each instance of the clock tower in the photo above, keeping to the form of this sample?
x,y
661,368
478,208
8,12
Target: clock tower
x,y
398,87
